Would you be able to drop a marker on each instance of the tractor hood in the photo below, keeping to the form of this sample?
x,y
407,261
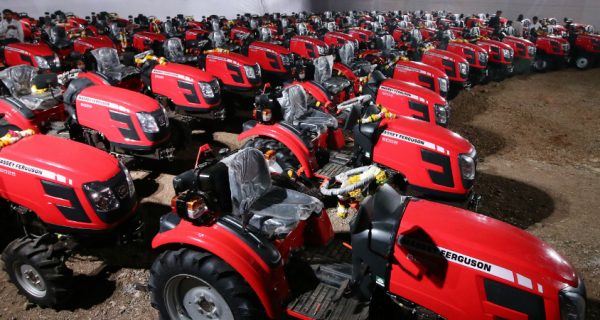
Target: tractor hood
x,y
95,42
67,160
420,67
518,40
37,49
447,55
496,43
467,45
151,36
267,46
118,99
429,135
236,58
182,72
485,246
311,40
412,91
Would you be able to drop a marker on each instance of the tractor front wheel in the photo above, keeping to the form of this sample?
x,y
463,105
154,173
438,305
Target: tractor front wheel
x,y
37,267
189,284
583,62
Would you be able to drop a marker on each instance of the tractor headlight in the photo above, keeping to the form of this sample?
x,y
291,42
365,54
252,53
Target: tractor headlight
x,y
566,47
442,114
250,72
130,185
322,50
464,68
483,57
147,122
443,85
286,59
207,90
101,197
467,166
531,50
506,53
41,62
56,61
572,303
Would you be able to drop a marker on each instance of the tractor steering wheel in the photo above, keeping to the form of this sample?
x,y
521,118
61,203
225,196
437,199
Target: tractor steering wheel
x,y
350,180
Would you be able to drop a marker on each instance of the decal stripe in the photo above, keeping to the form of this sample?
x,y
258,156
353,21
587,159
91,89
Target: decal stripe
x,y
46,174
515,299
75,212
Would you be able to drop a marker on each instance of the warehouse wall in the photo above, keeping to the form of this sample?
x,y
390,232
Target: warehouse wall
x,y
580,10
586,11
160,8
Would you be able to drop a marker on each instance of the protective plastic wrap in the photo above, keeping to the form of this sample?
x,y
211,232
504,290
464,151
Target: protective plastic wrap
x,y
388,42
273,210
265,34
296,112
110,65
323,68
173,49
18,79
347,53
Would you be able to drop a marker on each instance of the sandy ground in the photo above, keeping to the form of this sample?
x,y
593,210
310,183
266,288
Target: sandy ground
x,y
539,143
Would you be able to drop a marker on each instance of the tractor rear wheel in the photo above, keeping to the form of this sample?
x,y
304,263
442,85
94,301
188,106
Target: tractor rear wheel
x,y
189,284
37,267
583,62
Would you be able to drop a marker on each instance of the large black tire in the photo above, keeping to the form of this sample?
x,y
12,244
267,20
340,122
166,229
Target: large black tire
x,y
37,268
171,268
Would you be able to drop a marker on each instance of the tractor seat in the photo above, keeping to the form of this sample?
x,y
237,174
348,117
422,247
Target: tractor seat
x,y
120,72
42,101
335,85
274,211
296,112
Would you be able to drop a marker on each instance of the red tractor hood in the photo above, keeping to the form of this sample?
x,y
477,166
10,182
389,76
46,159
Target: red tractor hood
x,y
261,45
450,55
312,40
151,36
235,57
95,42
36,49
471,46
429,135
336,38
506,252
420,67
183,72
118,99
494,43
415,91
67,159
519,40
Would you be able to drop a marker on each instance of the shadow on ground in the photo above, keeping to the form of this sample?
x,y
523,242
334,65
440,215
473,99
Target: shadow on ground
x,y
513,201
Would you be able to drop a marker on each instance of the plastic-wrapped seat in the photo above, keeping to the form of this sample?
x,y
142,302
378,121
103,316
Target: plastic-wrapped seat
x,y
19,80
273,210
108,64
173,49
296,112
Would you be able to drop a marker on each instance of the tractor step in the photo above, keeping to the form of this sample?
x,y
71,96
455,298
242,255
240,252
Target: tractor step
x,y
331,170
342,157
327,302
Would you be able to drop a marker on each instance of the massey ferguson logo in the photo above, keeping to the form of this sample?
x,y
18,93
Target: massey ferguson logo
x,y
13,165
94,101
172,75
393,138
398,92
411,69
210,56
16,50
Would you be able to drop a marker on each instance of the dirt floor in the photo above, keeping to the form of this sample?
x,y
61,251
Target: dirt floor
x,y
538,137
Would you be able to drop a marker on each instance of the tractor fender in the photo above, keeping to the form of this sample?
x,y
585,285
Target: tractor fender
x,y
17,114
291,140
257,261
94,77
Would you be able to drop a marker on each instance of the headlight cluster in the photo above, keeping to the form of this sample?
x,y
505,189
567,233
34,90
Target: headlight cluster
x,y
151,123
442,114
287,59
252,72
566,47
483,57
322,50
467,165
105,198
207,89
45,62
531,50
464,69
508,53
443,84
572,303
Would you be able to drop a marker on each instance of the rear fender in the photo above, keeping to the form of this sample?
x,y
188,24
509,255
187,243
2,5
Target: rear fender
x,y
343,71
22,118
287,138
94,77
265,278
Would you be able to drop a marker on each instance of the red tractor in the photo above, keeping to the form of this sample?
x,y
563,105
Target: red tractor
x,y
477,57
309,145
112,119
586,51
501,55
524,53
235,246
551,52
276,62
455,67
63,199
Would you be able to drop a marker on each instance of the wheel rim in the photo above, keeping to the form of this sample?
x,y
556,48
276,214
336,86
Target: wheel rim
x,y
30,280
581,62
189,297
540,64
